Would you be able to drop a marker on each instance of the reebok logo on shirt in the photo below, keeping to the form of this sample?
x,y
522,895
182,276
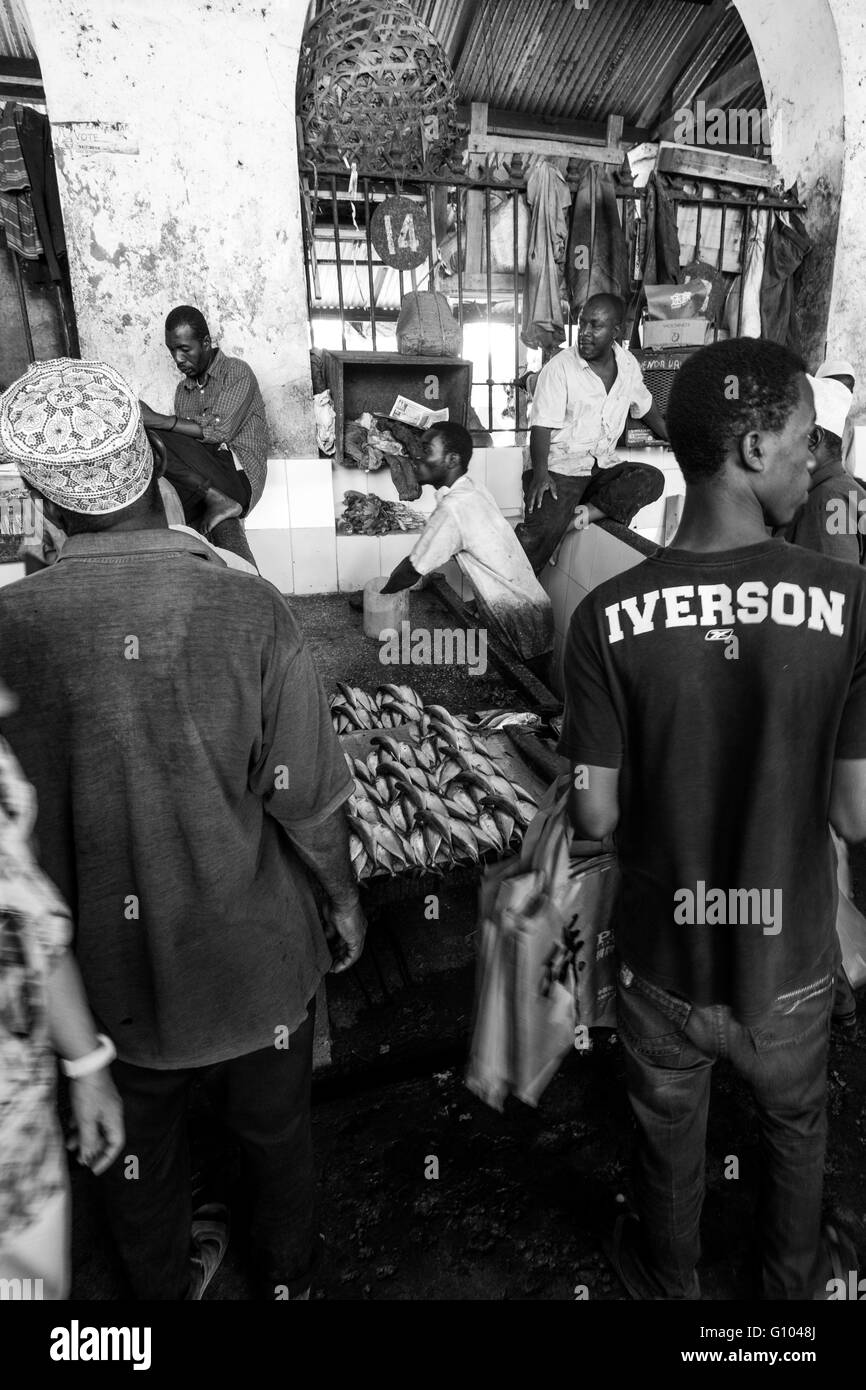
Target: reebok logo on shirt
x,y
719,606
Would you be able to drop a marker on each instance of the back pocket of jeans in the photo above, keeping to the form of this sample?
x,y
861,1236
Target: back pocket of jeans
x,y
785,1027
645,1028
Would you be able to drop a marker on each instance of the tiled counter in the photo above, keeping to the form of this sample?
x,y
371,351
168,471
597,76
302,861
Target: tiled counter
x,y
587,558
291,530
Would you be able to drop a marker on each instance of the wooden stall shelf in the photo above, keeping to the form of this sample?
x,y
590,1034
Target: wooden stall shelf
x,y
372,381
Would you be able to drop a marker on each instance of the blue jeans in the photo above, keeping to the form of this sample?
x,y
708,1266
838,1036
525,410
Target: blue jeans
x,y
670,1047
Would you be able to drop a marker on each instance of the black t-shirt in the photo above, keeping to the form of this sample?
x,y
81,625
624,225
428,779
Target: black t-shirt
x,y
723,685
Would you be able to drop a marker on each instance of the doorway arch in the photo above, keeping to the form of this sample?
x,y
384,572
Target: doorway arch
x,y
807,129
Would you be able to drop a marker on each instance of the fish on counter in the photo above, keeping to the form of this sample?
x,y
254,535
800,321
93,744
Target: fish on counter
x,y
433,804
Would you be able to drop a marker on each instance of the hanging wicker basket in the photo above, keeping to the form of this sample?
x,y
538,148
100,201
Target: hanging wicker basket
x,y
376,86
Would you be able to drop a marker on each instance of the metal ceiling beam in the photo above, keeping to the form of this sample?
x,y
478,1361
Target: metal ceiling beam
x,y
705,23
724,91
16,91
19,67
501,122
731,84
461,33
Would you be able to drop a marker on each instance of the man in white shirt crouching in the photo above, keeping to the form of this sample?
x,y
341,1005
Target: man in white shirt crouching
x,y
468,526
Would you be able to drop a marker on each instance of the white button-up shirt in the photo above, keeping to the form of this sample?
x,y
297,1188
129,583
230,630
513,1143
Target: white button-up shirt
x,y
586,421
467,524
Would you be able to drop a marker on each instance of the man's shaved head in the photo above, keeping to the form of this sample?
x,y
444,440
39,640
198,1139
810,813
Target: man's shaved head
x,y
599,325
185,316
611,303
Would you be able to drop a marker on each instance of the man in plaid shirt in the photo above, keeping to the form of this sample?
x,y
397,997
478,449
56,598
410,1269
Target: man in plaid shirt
x,y
217,437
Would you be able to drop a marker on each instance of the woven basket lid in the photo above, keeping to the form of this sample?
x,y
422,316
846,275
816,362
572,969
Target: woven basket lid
x,y
375,85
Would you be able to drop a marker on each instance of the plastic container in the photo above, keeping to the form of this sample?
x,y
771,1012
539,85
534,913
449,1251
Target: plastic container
x,y
383,611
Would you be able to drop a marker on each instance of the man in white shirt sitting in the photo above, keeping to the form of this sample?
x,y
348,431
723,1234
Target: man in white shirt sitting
x,y
468,525
582,398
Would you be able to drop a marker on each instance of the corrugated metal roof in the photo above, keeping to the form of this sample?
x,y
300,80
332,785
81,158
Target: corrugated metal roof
x,y
14,40
547,58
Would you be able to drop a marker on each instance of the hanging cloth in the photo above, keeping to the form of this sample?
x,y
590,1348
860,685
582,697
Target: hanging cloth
x,y
756,250
597,257
788,245
34,136
548,195
662,263
16,207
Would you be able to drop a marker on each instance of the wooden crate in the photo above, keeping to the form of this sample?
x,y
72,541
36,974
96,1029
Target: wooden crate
x,y
696,161
372,381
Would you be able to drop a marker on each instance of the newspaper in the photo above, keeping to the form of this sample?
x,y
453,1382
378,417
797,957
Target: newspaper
x,y
411,413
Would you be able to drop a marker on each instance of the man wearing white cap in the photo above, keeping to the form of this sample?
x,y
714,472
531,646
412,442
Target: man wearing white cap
x,y
823,523
838,369
188,777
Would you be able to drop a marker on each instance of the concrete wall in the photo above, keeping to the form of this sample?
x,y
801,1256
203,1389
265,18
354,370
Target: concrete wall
x,y
812,56
193,196
845,335
805,99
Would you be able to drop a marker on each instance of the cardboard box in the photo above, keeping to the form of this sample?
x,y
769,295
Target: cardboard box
x,y
675,333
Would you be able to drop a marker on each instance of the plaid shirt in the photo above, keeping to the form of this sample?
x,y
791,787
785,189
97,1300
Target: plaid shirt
x,y
230,410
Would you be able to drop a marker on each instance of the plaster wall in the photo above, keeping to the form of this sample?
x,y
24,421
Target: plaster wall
x,y
193,197
845,337
805,99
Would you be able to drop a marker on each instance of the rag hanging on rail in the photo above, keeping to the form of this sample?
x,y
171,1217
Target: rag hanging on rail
x,y
597,257
548,195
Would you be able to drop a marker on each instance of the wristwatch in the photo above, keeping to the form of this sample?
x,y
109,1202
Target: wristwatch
x,y
91,1061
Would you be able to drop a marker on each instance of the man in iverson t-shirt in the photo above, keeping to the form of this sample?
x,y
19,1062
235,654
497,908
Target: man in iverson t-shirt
x,y
716,700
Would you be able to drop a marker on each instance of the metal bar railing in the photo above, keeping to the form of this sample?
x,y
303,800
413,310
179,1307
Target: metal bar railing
x,y
489,289
22,305
721,263
339,259
376,182
370,262
459,267
515,226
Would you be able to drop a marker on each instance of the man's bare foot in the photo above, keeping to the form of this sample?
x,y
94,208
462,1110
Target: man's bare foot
x,y
584,516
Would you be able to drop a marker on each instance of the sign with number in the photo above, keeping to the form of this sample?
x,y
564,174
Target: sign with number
x,y
400,233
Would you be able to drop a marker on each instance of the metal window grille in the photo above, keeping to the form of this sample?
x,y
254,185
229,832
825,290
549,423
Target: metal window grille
x,y
354,300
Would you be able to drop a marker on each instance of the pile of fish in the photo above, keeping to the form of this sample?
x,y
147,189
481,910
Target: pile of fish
x,y
352,708
365,515
431,804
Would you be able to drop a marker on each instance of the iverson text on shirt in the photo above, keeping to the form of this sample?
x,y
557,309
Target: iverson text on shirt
x,y
719,605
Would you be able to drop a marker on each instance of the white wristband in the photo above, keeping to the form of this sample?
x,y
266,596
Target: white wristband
x,y
91,1061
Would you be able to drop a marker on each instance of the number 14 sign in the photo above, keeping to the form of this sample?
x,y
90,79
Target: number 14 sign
x,y
400,233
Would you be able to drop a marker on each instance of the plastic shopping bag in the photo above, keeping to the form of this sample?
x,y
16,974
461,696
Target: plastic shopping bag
x,y
545,958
